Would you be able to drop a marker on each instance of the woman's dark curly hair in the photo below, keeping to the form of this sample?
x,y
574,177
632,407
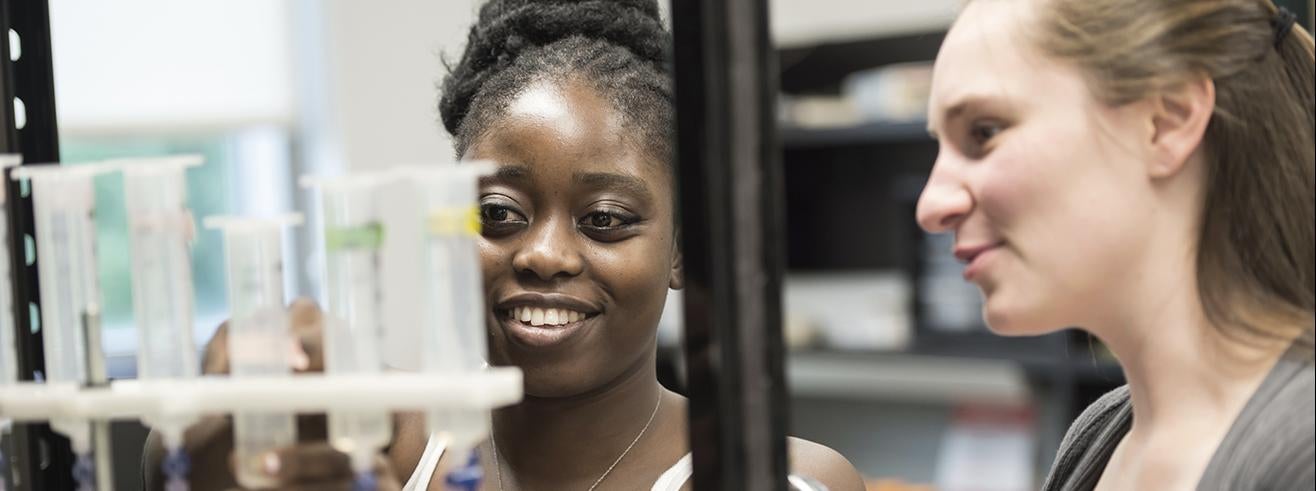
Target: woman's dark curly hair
x,y
618,47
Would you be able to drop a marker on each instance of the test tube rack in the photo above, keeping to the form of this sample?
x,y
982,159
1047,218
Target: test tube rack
x,y
169,405
305,393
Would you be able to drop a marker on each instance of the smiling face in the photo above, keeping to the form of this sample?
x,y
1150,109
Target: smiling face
x,y
1044,187
578,248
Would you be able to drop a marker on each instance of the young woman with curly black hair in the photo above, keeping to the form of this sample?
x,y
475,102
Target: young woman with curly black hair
x,y
579,248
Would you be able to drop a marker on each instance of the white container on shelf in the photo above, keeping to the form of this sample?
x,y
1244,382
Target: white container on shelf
x,y
893,93
852,311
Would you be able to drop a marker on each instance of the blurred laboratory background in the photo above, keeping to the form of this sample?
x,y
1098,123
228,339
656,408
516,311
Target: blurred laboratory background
x,y
889,362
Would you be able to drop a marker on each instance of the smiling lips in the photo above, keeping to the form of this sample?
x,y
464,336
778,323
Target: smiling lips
x,y
974,257
545,320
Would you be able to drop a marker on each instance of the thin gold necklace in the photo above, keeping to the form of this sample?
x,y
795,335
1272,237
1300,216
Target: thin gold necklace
x,y
498,468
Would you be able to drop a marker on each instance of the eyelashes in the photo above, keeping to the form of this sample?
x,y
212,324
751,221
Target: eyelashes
x,y
607,224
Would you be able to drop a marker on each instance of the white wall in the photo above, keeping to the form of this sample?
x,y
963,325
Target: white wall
x,y
152,65
383,69
805,22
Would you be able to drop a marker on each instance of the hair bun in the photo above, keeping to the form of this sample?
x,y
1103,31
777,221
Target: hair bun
x,y
508,28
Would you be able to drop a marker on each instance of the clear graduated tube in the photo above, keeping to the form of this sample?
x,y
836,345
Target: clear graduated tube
x,y
160,231
453,332
63,202
259,336
353,234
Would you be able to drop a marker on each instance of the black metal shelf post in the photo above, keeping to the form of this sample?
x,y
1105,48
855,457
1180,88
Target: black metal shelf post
x,y
39,459
732,218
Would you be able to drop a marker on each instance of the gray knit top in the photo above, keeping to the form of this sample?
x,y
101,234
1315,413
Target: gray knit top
x,y
1270,446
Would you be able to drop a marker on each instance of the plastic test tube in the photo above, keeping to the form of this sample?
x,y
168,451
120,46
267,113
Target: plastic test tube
x,y
453,324
353,235
63,202
161,230
259,336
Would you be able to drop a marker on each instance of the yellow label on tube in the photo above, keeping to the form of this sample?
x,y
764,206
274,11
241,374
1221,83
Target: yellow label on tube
x,y
454,221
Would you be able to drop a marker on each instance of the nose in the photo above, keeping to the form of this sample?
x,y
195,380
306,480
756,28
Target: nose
x,y
945,201
549,251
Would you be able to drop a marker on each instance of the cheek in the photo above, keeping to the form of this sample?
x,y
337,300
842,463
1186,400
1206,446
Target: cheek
x,y
636,271
1067,211
494,260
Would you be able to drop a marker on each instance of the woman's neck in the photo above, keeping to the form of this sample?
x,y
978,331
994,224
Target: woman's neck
x,y
1177,363
558,442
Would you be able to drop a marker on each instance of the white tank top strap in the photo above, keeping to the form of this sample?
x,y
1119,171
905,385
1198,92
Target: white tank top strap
x,y
675,477
429,461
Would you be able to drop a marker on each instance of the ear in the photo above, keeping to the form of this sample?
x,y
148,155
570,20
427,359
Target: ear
x,y
1179,117
676,280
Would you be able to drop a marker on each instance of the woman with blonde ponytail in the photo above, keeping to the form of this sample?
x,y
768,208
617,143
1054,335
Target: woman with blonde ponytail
x,y
1143,170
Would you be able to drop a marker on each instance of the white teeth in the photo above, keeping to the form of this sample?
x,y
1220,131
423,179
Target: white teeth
x,y
540,317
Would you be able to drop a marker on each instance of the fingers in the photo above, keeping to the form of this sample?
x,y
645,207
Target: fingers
x,y
318,466
307,325
306,463
304,311
215,358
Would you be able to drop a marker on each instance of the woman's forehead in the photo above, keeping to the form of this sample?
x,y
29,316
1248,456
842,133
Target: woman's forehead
x,y
562,128
988,58
547,104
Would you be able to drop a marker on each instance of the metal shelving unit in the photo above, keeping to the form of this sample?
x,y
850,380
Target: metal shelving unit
x,y
39,458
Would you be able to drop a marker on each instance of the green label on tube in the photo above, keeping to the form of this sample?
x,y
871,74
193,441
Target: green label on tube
x,y
368,236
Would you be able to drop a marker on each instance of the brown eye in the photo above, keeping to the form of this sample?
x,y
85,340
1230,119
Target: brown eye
x,y
495,214
498,220
603,220
609,225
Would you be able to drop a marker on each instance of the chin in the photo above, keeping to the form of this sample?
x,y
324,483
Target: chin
x,y
547,382
1011,319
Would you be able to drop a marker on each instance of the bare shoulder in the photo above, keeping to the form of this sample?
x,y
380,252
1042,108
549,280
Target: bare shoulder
x,y
824,464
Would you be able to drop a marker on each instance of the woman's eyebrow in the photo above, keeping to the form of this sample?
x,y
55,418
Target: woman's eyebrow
x,y
966,104
622,182
508,173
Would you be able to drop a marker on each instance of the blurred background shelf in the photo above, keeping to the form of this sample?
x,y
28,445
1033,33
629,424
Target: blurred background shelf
x,y
903,377
871,133
946,372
